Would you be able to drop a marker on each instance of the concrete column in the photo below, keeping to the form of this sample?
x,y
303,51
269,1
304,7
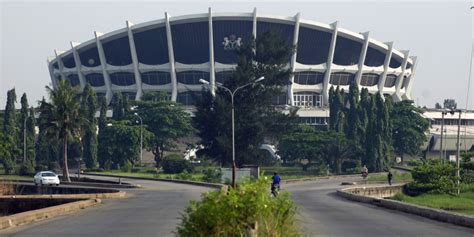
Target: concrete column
x,y
133,52
78,63
293,60
327,76
51,74
60,64
254,25
103,63
212,71
169,38
399,83
412,77
388,56
363,53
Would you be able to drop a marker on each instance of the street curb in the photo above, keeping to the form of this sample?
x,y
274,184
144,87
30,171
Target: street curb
x,y
432,213
119,194
203,184
44,213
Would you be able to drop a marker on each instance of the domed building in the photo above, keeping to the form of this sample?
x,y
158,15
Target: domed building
x,y
173,53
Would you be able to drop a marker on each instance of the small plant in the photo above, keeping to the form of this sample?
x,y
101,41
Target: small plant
x,y
432,176
212,175
184,175
236,212
127,166
174,164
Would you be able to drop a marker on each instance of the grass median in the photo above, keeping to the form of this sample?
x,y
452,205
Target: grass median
x,y
464,203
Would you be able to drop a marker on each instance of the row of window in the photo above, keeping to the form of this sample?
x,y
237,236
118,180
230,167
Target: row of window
x,y
468,122
192,78
314,120
307,99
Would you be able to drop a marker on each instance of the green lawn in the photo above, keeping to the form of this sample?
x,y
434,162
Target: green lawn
x,y
398,177
192,176
464,203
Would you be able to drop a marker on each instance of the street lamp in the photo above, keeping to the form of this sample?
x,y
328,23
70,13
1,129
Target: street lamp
x,y
24,139
141,136
443,113
232,93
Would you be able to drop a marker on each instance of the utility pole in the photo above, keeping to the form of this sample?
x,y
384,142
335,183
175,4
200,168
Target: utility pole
x,y
458,147
441,138
24,139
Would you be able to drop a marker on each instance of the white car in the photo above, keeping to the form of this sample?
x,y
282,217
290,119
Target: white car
x,y
46,177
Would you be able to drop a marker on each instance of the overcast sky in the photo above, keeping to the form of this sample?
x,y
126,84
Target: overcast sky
x,y
439,33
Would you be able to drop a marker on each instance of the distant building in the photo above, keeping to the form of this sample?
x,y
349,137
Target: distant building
x,y
173,53
432,147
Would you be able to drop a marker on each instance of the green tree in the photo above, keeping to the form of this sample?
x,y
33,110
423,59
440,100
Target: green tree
x,y
103,114
338,149
450,104
89,138
63,118
255,118
11,132
120,144
118,108
353,121
438,106
6,147
409,128
167,121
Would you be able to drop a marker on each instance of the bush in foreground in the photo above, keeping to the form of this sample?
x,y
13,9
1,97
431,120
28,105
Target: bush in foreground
x,y
237,211
432,176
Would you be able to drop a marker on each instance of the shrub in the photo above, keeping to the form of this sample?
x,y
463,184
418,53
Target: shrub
x,y
26,169
174,163
212,175
127,166
184,176
235,212
432,176
136,169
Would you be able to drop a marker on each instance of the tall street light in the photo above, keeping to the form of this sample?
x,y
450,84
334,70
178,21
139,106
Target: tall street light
x,y
141,136
232,93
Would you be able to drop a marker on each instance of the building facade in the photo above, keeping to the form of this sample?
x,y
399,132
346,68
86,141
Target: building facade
x,y
173,53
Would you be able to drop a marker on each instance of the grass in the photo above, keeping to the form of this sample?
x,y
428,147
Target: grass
x,y
464,203
191,176
398,177
16,177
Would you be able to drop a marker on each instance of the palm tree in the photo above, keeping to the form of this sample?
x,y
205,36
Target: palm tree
x,y
62,118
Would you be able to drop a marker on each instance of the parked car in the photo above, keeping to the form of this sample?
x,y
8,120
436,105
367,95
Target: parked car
x,y
45,178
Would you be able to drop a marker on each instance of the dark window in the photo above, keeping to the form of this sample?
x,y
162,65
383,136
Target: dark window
x,y
122,78
313,120
309,78
68,61
73,79
369,79
189,97
99,95
95,79
191,42
409,65
156,78
406,80
55,65
374,58
279,99
307,99
341,78
117,51
192,77
224,76
89,57
390,80
395,62
286,31
228,36
347,51
313,46
152,46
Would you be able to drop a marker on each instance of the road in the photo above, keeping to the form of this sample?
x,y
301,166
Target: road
x,y
322,213
154,211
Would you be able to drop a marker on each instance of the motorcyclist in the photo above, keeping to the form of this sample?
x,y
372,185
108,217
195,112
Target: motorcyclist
x,y
365,172
275,184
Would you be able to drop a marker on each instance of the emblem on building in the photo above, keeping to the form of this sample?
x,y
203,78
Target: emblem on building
x,y
232,42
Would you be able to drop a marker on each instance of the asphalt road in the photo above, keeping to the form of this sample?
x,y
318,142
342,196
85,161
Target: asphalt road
x,y
154,211
322,213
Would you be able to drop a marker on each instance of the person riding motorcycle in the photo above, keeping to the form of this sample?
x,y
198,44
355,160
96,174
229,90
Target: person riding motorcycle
x,y
275,184
365,172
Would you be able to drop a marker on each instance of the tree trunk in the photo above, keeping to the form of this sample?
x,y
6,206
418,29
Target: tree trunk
x,y
65,168
339,166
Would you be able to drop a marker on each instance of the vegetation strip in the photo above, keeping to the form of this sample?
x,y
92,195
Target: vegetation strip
x,y
432,213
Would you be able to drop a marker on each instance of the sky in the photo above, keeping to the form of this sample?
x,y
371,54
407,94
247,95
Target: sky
x,y
439,33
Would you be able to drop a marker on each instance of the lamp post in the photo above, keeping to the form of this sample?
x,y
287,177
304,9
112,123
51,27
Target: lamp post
x,y
458,152
232,93
24,139
141,136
